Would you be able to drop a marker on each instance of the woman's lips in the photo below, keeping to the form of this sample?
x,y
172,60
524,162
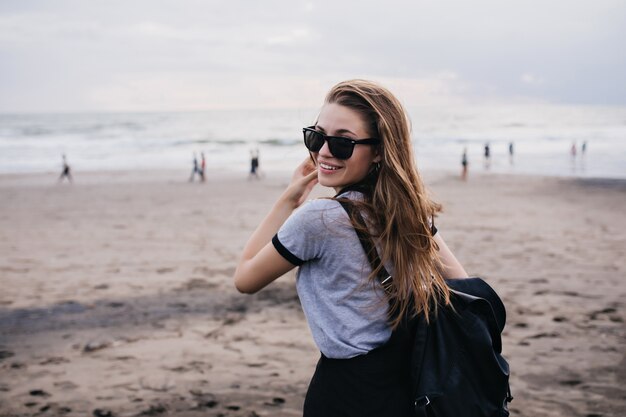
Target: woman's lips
x,y
328,167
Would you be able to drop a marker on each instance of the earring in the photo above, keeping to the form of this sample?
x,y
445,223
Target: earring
x,y
376,166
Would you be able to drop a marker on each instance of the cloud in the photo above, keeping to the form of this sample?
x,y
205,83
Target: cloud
x,y
200,91
292,37
531,79
173,91
278,52
28,29
164,31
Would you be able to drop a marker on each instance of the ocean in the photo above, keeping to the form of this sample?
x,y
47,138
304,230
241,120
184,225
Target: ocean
x,y
542,136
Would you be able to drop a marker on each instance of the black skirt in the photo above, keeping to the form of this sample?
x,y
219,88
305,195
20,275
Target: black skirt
x,y
376,384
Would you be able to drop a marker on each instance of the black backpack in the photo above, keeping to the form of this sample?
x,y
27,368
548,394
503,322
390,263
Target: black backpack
x,y
457,369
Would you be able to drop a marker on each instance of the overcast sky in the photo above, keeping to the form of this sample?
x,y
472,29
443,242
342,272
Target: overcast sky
x,y
117,55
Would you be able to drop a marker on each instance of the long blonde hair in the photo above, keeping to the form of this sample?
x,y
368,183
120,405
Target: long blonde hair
x,y
397,203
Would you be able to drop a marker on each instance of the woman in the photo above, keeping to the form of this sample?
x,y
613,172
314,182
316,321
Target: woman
x,y
361,147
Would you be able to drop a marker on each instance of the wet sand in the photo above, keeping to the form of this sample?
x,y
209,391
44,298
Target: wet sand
x,y
117,296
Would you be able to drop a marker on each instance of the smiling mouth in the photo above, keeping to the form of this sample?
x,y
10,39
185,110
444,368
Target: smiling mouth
x,y
328,167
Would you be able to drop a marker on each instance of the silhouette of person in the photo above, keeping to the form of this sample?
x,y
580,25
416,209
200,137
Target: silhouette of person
x,y
66,171
202,166
583,148
258,164
487,155
464,164
195,170
511,152
573,152
254,164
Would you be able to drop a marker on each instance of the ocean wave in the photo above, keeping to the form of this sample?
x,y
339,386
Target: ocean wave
x,y
280,142
124,140
237,142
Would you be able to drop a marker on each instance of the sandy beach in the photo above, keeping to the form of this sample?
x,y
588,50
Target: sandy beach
x,y
117,299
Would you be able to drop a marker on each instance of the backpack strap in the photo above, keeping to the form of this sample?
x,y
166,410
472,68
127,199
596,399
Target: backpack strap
x,y
383,277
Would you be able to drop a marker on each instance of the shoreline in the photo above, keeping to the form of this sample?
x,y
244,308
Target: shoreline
x,y
179,176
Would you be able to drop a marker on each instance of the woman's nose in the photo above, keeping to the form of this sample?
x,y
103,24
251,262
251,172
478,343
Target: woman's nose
x,y
325,150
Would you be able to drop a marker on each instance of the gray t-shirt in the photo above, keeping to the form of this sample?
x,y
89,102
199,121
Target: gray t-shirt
x,y
346,312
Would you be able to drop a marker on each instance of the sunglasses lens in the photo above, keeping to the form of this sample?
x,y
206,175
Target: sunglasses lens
x,y
340,148
313,140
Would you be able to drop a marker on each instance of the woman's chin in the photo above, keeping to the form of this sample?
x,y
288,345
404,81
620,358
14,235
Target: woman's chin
x,y
325,181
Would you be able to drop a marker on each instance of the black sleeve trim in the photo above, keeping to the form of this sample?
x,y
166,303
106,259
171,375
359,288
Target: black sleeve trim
x,y
285,252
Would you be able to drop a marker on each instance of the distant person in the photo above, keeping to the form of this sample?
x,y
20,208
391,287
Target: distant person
x,y
195,170
257,163
573,152
464,165
254,164
487,155
511,152
583,149
65,171
202,167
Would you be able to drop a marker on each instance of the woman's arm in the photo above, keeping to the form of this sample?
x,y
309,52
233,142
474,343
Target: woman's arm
x,y
452,268
260,262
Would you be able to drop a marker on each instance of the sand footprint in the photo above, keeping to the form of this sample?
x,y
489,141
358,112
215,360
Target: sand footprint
x,y
603,314
276,401
5,354
55,360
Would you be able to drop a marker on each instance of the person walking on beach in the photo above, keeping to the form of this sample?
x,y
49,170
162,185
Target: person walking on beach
x,y
464,165
202,167
65,171
360,145
194,170
487,155
573,151
254,164
511,152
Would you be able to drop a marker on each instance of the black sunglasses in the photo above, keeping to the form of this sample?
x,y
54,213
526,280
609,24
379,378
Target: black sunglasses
x,y
340,147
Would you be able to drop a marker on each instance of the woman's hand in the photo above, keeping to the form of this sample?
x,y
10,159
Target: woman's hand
x,y
302,182
260,262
